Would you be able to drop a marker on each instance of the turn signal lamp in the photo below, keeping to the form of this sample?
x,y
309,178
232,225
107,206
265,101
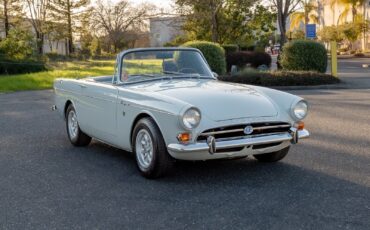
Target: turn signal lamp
x,y
184,137
299,125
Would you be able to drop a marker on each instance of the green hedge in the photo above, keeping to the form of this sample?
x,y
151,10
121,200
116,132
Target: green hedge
x,y
213,52
304,55
281,78
8,66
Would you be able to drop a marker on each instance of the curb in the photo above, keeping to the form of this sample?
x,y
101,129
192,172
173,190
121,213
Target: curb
x,y
312,87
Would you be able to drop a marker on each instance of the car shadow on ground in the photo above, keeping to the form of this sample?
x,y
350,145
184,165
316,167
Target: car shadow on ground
x,y
304,196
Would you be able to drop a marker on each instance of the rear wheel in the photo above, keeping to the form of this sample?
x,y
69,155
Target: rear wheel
x,y
75,135
151,154
272,157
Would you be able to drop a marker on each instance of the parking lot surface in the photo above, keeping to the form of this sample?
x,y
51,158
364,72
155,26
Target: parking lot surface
x,y
323,183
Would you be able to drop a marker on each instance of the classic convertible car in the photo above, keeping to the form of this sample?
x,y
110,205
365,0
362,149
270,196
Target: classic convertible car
x,y
165,104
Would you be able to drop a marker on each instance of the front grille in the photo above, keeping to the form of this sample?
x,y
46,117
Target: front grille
x,y
237,131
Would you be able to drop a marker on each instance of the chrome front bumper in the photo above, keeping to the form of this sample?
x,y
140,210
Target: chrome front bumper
x,y
293,136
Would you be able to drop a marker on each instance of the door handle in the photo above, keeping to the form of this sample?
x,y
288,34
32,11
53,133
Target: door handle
x,y
82,86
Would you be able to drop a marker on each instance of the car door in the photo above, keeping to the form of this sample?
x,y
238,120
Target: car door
x,y
98,110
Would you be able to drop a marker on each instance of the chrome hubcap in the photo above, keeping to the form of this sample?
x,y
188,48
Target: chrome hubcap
x,y
144,148
72,124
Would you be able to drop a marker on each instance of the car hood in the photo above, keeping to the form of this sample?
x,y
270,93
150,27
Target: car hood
x,y
215,99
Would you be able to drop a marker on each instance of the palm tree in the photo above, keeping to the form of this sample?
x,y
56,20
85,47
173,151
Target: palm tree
x,y
308,15
350,6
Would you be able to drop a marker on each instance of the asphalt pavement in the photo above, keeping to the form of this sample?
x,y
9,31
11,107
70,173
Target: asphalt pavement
x,y
323,183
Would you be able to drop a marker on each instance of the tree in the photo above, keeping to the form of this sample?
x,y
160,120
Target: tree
x,y
115,20
209,9
18,45
225,21
350,6
331,33
38,12
353,30
9,8
70,13
262,24
284,9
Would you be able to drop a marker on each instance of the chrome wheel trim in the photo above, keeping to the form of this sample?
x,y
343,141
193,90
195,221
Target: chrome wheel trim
x,y
144,148
72,124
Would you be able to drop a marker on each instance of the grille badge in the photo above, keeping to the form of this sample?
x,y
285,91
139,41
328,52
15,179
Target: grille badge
x,y
248,129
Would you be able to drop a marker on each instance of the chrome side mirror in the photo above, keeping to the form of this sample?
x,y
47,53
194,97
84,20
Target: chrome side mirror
x,y
215,74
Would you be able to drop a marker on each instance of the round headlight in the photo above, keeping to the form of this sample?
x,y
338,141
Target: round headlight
x,y
191,118
300,110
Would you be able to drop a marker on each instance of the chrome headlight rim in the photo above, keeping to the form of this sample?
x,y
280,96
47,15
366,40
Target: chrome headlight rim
x,y
182,117
294,107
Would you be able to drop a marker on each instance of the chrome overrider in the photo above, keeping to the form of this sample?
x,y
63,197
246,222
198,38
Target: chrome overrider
x,y
211,145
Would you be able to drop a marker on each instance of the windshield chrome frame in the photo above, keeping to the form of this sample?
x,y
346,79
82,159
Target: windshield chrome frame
x,y
118,70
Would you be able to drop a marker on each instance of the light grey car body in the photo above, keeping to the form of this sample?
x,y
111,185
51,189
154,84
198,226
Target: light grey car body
x,y
108,110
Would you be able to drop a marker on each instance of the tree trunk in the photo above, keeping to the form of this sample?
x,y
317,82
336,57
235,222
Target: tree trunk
x,y
66,46
40,42
214,27
69,24
282,27
354,12
50,45
214,22
6,18
306,21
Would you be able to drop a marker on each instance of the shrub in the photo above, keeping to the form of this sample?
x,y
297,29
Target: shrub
x,y
53,56
8,66
240,59
247,47
105,56
243,58
261,58
304,55
213,52
95,47
281,78
360,55
230,48
17,46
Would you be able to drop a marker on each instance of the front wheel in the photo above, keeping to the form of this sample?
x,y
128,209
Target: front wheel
x,y
152,158
75,135
272,157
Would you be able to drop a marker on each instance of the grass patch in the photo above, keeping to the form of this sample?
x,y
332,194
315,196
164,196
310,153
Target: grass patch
x,y
44,80
281,78
144,66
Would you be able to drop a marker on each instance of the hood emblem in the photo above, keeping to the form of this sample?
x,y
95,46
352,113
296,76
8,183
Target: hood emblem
x,y
248,129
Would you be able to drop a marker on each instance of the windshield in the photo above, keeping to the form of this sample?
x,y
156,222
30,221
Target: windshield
x,y
162,64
